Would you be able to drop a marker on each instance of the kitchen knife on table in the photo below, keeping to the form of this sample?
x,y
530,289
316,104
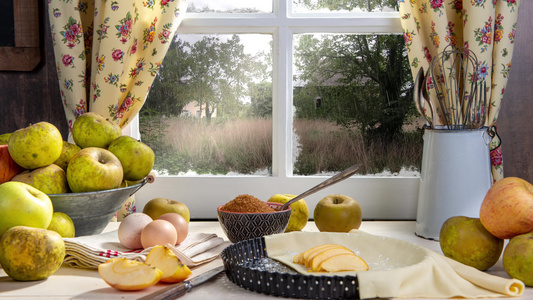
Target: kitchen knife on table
x,y
176,290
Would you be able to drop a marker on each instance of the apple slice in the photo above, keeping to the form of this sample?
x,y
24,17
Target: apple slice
x,y
309,260
324,255
165,260
343,262
128,275
305,255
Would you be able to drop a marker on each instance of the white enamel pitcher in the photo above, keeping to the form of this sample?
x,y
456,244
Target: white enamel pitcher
x,y
455,177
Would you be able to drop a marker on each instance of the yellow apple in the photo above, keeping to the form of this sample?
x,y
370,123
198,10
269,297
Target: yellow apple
x,y
28,253
337,213
136,157
35,146
507,209
22,204
128,275
93,130
4,138
94,169
518,258
465,240
165,260
157,207
49,180
67,151
62,224
299,212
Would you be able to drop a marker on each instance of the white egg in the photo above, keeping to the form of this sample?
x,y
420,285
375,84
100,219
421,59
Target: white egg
x,y
129,230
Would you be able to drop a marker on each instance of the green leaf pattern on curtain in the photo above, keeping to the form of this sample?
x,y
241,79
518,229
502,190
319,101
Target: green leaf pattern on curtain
x,y
486,27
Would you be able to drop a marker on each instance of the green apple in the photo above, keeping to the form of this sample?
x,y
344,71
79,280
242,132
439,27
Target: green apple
x,y
62,224
8,167
136,157
518,258
465,240
94,169
93,130
299,213
337,213
4,138
22,204
160,206
35,146
28,253
49,180
67,151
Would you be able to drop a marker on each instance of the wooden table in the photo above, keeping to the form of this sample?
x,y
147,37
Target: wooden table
x,y
70,283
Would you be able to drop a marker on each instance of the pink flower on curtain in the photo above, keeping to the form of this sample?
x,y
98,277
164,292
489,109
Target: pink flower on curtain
x,y
134,47
124,30
72,33
436,4
68,60
117,54
427,54
496,157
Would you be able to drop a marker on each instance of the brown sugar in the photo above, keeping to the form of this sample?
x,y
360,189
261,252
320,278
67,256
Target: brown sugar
x,y
248,204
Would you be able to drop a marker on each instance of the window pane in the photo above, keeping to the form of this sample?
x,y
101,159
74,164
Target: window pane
x,y
353,104
235,6
343,6
209,110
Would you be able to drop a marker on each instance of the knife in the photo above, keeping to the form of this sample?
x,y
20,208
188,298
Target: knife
x,y
176,290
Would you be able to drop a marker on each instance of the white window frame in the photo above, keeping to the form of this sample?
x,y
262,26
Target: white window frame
x,y
383,198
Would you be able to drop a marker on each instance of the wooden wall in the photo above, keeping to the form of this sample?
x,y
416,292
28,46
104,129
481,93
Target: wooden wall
x,y
29,97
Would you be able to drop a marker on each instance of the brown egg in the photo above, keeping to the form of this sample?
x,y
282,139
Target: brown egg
x,y
179,222
158,232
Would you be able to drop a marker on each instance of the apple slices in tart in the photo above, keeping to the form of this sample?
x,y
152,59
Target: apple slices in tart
x,y
165,260
342,262
128,275
330,258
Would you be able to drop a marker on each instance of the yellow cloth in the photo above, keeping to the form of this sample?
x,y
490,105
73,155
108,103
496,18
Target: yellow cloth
x,y
397,268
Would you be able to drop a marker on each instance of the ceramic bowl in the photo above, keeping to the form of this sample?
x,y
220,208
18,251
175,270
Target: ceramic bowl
x,y
243,226
91,211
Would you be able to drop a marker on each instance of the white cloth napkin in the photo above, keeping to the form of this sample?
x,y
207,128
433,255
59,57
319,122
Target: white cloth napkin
x,y
87,252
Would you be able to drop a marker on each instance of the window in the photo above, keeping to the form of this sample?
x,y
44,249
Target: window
x,y
381,196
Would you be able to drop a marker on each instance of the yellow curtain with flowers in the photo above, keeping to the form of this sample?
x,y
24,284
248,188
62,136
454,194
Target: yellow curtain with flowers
x,y
485,27
108,53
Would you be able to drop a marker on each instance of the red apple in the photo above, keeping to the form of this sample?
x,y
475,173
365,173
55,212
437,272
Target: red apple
x,y
8,167
507,209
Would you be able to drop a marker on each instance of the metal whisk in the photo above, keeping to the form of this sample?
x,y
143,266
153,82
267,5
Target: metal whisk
x,y
460,92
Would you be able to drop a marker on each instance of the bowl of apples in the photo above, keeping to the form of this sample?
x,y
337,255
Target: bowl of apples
x,y
90,179
91,211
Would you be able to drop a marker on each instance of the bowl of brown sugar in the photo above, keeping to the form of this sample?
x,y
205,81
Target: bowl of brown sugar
x,y
247,217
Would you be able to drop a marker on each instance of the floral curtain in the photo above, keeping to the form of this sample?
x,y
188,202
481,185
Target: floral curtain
x,y
108,53
485,27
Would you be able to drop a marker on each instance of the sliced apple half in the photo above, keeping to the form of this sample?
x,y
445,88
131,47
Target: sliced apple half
x,y
343,262
165,260
128,275
324,255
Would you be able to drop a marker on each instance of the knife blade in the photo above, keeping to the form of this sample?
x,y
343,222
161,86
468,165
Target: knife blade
x,y
176,290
